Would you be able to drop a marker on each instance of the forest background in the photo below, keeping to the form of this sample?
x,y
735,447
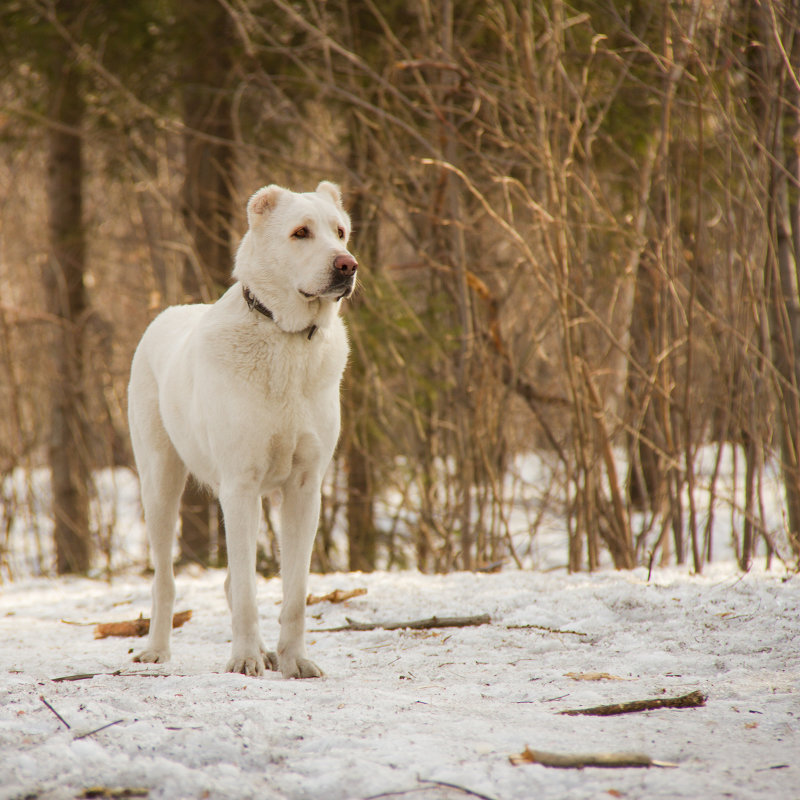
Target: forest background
x,y
579,231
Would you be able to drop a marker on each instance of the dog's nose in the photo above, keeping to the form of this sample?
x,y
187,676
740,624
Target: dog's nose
x,y
345,264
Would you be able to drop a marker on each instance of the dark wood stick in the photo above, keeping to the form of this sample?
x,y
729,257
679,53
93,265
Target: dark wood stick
x,y
97,730
417,624
60,718
691,700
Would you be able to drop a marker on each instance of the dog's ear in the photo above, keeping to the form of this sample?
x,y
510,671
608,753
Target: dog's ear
x,y
262,203
332,191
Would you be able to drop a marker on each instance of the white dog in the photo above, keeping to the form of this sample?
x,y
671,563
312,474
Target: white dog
x,y
244,395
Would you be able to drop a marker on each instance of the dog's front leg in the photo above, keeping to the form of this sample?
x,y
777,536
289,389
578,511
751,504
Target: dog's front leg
x,y
299,519
241,508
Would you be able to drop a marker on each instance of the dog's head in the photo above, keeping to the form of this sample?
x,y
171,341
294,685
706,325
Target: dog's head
x,y
297,244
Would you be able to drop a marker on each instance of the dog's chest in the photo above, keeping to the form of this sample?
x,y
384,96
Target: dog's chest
x,y
263,375
291,369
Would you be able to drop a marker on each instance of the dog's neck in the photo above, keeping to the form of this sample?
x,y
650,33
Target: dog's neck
x,y
254,304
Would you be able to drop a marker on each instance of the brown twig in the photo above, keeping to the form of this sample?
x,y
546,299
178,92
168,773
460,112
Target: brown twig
x,y
135,627
544,628
336,596
114,794
691,700
418,624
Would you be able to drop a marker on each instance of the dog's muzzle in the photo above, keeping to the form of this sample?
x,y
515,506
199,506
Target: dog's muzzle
x,y
344,269
343,279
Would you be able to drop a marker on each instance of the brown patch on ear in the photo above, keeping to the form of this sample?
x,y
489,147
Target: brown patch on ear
x,y
262,202
333,191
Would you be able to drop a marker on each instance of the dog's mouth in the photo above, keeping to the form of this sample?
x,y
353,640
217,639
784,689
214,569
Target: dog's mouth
x,y
336,290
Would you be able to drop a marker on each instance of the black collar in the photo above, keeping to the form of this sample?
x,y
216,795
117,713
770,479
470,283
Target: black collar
x,y
253,303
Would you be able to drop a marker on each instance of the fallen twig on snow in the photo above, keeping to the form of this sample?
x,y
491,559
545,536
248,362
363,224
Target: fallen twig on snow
x,y
431,784
69,727
83,676
544,628
464,789
417,624
60,718
135,627
691,700
97,730
117,673
336,596
579,761
114,794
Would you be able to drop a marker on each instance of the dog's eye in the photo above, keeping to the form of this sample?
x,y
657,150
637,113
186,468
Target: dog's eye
x,y
341,232
301,233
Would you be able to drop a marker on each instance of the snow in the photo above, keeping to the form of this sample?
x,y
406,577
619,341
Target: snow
x,y
406,712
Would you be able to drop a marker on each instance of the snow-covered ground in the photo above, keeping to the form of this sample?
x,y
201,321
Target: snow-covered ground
x,y
427,714
403,713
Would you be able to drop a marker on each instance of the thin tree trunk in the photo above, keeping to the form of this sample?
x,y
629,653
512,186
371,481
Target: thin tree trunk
x,y
361,534
778,133
790,255
748,530
67,300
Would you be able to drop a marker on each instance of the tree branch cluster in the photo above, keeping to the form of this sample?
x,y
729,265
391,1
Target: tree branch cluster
x,y
581,236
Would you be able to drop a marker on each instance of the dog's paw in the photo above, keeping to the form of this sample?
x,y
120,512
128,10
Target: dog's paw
x,y
299,668
270,660
151,656
246,664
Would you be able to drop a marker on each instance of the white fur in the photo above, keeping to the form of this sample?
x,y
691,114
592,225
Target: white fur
x,y
249,406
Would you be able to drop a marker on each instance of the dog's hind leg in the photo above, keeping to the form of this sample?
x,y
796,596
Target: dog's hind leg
x,y
162,485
